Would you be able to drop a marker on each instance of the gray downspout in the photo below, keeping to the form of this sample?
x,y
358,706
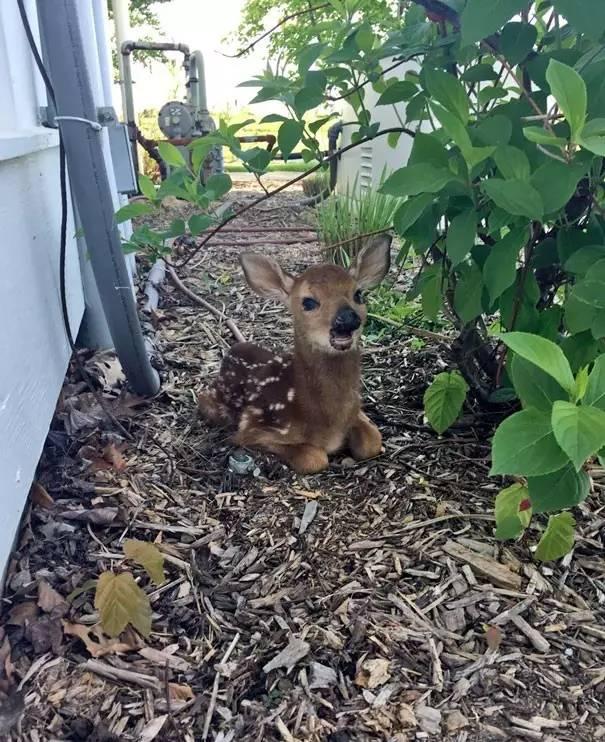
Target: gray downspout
x,y
67,66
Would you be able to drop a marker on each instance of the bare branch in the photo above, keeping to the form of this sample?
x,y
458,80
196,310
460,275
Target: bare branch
x,y
279,189
285,19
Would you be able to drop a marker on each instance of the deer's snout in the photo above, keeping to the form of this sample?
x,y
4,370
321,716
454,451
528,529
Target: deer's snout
x,y
346,320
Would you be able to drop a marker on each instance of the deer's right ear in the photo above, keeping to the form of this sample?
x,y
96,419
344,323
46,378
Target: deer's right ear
x,y
266,277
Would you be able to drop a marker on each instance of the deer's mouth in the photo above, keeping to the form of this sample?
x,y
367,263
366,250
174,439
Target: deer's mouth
x,y
341,340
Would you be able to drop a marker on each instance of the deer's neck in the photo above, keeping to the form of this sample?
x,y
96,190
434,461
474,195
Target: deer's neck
x,y
326,376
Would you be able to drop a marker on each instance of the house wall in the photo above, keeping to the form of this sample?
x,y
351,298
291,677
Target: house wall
x,y
34,351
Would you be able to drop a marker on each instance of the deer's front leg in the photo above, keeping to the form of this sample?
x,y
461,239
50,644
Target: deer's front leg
x,y
302,457
365,441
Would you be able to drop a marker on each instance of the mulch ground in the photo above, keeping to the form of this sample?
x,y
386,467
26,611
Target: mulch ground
x,y
370,602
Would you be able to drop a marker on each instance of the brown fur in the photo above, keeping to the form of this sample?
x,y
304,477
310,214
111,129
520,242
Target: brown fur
x,y
306,405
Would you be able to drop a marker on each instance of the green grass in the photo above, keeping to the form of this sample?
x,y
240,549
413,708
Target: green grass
x,y
296,166
344,217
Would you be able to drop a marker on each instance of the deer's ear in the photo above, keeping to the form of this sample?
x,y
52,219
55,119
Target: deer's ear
x,y
373,262
265,277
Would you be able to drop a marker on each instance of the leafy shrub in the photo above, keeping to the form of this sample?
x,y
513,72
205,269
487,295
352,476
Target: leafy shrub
x,y
502,201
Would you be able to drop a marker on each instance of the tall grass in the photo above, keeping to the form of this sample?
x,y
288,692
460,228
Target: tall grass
x,y
345,217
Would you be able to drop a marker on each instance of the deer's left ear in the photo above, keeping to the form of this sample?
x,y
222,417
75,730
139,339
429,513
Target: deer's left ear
x,y
373,262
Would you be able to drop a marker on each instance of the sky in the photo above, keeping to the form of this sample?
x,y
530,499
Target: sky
x,y
193,23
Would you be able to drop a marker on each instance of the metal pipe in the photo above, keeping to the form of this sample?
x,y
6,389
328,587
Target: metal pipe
x,y
196,83
121,22
90,184
127,87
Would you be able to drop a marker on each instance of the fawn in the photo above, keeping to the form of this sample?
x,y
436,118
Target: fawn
x,y
305,405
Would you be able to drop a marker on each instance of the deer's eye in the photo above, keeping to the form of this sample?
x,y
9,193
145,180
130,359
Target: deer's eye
x,y
309,304
358,297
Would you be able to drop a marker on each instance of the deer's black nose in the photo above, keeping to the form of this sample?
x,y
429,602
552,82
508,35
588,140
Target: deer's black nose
x,y
346,320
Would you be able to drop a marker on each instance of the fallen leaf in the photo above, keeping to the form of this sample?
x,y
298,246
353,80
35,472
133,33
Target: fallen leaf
x,y
288,657
45,634
40,497
20,613
493,637
6,664
373,673
121,601
148,556
113,454
50,601
96,516
97,644
180,692
11,708
107,368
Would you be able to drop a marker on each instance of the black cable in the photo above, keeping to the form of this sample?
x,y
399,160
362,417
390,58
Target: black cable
x,y
62,175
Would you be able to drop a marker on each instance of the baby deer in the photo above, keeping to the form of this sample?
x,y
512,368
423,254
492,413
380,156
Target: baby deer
x,y
305,405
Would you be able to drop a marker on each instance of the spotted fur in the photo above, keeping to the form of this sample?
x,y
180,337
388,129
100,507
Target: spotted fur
x,y
304,405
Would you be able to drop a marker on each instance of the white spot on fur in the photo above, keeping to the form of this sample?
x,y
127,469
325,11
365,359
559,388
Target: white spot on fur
x,y
291,394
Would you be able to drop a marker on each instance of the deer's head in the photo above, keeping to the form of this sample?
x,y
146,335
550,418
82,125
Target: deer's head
x,y
326,301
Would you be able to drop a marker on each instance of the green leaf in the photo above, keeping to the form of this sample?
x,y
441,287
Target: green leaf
x,y
308,56
591,289
218,185
515,196
512,162
147,187
397,92
543,353
581,261
289,135
524,444
132,210
198,223
468,292
542,136
428,149
581,384
561,489
443,400
461,236
500,268
308,98
171,155
592,137
556,183
486,95
558,538
579,431
517,40
415,179
495,130
587,18
511,521
480,18
480,73
148,556
569,90
120,601
595,391
409,212
448,91
453,126
535,388
430,290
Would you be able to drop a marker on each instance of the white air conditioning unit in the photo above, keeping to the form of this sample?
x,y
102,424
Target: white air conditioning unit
x,y
363,167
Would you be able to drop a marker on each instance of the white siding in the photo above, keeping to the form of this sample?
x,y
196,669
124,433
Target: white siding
x,y
33,346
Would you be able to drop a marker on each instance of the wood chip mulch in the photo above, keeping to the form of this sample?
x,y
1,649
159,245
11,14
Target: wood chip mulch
x,y
370,602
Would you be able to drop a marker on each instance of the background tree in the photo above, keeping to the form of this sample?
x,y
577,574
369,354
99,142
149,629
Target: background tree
x,y
143,20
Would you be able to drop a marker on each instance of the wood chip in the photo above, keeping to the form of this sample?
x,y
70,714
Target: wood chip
x,y
534,636
309,514
288,657
498,574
